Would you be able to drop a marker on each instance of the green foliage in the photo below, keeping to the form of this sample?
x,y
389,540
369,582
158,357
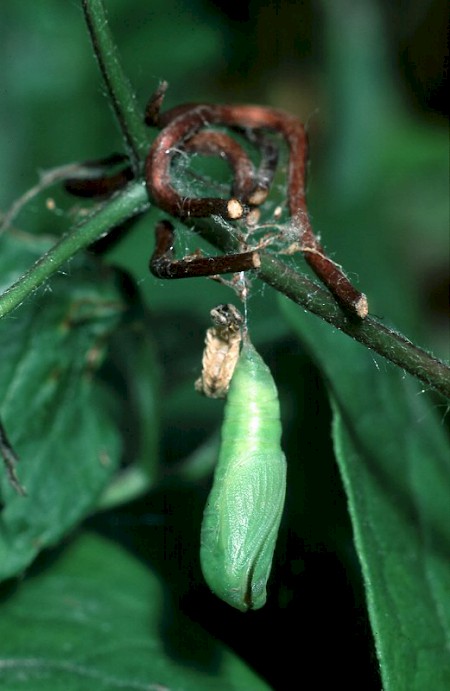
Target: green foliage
x,y
394,459
93,621
55,412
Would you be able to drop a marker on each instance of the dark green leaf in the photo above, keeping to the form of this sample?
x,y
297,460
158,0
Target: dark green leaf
x,y
54,411
94,622
394,460
134,369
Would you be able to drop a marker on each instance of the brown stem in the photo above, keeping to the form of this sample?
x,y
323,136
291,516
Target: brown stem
x,y
184,121
262,178
266,170
103,186
153,108
212,143
164,265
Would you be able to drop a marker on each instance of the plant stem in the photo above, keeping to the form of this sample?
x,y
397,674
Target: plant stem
x,y
120,92
370,332
130,202
134,200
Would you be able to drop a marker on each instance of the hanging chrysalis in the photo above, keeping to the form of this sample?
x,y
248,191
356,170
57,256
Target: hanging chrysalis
x,y
244,508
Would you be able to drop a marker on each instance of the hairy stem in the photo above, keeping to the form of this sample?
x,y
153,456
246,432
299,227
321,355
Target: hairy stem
x,y
130,202
370,332
134,200
120,92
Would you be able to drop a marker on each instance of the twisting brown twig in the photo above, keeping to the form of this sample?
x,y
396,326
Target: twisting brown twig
x,y
266,170
186,128
91,181
164,265
152,113
182,122
262,177
213,143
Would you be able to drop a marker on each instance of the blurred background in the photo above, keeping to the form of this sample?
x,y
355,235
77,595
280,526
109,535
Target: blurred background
x,y
368,78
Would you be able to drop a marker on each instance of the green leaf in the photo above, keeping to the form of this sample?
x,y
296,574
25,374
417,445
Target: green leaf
x,y
394,459
134,362
55,413
94,621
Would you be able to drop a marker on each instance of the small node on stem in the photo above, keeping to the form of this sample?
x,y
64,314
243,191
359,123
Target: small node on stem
x,y
258,196
235,210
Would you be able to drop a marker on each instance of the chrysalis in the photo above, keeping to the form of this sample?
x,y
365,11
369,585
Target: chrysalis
x,y
244,508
